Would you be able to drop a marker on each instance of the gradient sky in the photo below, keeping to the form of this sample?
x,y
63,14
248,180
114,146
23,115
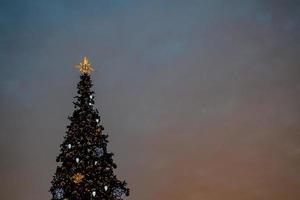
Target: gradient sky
x,y
200,98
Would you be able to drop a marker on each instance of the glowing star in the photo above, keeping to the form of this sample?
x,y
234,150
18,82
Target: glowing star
x,y
85,66
77,178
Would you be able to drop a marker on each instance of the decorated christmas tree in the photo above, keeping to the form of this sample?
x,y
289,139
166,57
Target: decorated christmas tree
x,y
86,169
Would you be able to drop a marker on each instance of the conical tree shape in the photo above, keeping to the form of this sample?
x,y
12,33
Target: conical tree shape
x,y
85,170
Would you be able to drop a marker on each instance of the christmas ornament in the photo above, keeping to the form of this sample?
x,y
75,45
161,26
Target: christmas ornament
x,y
106,188
69,146
98,131
77,178
91,96
118,192
85,66
77,160
99,152
97,120
58,193
94,193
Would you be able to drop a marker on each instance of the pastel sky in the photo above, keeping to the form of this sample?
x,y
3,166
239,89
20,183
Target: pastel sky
x,y
200,98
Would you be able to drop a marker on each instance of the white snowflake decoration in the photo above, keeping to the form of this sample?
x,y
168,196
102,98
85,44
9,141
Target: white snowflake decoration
x,y
99,152
59,193
118,192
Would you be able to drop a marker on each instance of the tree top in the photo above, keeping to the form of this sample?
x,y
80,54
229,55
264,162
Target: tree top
x,y
85,67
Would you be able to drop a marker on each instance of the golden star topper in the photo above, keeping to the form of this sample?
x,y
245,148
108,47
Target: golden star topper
x,y
77,178
85,66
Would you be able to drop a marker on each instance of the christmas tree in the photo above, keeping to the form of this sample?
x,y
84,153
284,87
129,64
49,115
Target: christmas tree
x,y
85,170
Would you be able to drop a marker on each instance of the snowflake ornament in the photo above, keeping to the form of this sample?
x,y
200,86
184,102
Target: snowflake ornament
x,y
59,193
118,192
99,152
